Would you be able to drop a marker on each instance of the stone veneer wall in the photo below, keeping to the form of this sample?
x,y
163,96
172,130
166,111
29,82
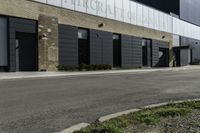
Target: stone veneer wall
x,y
48,42
32,10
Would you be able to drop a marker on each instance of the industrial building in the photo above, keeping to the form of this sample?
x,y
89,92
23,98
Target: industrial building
x,y
43,34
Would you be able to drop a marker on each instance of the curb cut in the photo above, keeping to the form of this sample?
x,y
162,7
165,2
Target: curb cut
x,y
75,128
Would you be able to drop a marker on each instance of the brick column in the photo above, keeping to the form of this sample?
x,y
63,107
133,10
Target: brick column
x,y
48,42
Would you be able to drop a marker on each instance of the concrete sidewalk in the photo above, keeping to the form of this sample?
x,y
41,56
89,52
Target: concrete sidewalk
x,y
24,75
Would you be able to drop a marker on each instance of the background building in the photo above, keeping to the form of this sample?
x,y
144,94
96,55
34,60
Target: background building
x,y
187,10
43,34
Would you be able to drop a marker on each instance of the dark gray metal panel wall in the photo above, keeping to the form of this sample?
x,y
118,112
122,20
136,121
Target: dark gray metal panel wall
x,y
184,57
131,51
155,51
195,53
68,45
107,48
18,25
101,51
137,51
127,51
95,47
188,41
194,45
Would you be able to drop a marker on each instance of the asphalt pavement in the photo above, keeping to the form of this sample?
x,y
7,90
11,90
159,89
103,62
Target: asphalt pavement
x,y
48,105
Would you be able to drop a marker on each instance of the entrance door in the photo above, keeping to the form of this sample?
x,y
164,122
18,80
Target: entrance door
x,y
26,52
177,62
83,47
146,52
116,51
163,57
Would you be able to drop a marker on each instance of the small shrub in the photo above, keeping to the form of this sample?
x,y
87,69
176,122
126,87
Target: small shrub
x,y
68,68
85,67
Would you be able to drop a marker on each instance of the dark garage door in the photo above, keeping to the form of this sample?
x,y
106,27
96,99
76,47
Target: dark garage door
x,y
26,52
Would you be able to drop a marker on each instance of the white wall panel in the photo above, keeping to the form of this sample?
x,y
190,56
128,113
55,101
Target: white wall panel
x,y
68,4
180,26
175,28
54,2
151,19
198,32
101,8
92,7
111,9
161,21
81,5
169,24
119,12
193,29
127,11
145,16
139,14
133,12
185,29
165,22
156,19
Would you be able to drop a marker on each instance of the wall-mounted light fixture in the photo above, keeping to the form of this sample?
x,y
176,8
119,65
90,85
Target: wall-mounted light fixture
x,y
101,25
163,37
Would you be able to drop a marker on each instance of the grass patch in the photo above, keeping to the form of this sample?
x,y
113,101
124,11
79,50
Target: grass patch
x,y
188,104
153,116
116,125
147,116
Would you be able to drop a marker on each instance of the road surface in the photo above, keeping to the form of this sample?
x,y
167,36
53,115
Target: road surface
x,y
47,105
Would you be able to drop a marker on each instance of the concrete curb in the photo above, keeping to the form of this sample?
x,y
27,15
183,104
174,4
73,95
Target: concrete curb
x,y
111,116
27,75
75,128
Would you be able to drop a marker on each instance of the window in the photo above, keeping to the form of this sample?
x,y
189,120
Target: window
x,y
82,34
116,37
